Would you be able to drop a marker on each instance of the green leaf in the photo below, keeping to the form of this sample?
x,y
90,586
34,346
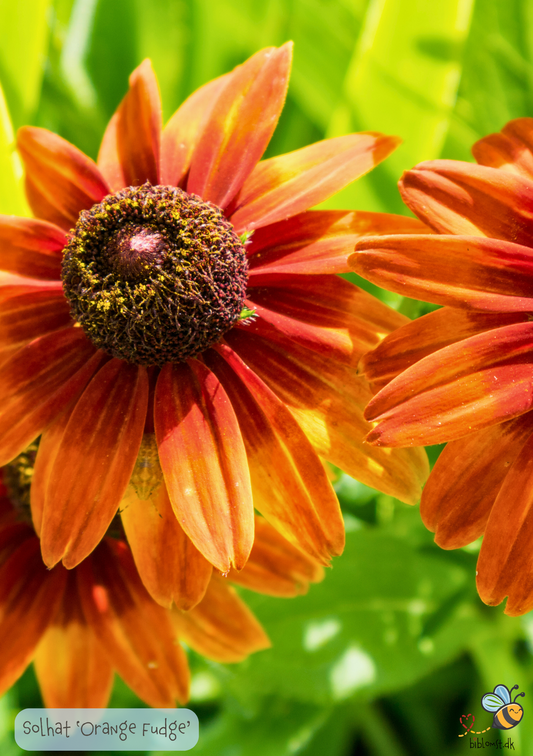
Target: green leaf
x,y
365,630
402,80
12,199
25,34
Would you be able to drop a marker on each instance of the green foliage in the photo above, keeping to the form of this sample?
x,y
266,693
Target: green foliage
x,y
394,645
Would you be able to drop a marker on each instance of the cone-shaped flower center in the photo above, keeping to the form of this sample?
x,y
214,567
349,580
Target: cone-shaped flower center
x,y
154,275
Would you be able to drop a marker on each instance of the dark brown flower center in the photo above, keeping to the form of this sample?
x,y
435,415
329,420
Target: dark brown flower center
x,y
154,275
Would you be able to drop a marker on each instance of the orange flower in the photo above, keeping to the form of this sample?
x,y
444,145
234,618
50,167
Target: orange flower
x,y
172,325
80,625
464,373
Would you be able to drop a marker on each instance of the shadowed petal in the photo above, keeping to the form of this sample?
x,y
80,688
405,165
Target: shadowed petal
x,y
505,564
183,131
289,484
29,597
38,382
464,387
324,313
170,566
284,186
204,463
31,247
240,126
28,312
88,475
130,150
317,241
60,180
453,197
221,627
463,485
144,653
427,335
275,567
461,271
327,399
510,149
71,667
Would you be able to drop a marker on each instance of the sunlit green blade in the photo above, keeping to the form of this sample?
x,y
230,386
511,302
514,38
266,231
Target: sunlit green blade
x,y
402,80
12,200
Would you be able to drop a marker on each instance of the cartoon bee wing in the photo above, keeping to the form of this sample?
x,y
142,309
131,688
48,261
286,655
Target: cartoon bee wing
x,y
492,702
503,692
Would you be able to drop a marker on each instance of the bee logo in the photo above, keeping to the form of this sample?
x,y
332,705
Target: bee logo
x,y
507,713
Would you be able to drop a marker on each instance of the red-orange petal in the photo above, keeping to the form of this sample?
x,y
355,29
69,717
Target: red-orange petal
x,y
182,133
275,567
289,484
240,126
30,311
284,186
505,564
426,335
95,457
204,462
31,247
221,627
134,631
130,150
327,399
461,271
467,477
38,382
29,597
462,388
72,669
327,314
317,242
511,149
60,180
453,197
170,566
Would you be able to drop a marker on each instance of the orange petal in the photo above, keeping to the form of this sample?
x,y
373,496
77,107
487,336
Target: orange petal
x,y
427,335
240,126
324,313
327,399
463,485
317,241
170,566
462,388
505,564
29,597
453,197
511,149
89,473
289,484
72,669
461,271
221,627
284,186
30,312
134,631
183,131
60,180
275,567
31,247
130,150
204,463
38,382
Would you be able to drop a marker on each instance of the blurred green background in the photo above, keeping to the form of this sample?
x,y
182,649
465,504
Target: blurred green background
x,y
394,646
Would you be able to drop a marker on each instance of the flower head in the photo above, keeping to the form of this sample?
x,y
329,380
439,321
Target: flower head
x,y
180,319
80,626
464,373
